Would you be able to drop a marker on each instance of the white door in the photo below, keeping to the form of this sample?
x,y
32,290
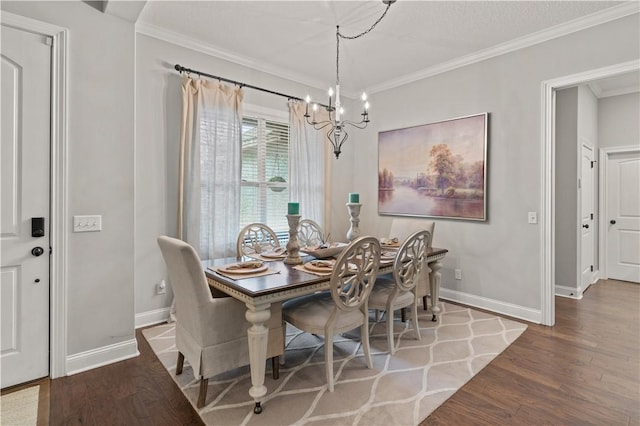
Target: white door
x,y
587,209
24,170
623,216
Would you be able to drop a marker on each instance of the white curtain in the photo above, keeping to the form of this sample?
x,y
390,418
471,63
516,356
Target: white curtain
x,y
307,151
210,152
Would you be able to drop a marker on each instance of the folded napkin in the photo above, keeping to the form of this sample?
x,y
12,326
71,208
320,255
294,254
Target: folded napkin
x,y
245,265
323,263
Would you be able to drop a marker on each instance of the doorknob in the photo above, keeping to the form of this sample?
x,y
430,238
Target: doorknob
x,y
586,225
37,251
612,221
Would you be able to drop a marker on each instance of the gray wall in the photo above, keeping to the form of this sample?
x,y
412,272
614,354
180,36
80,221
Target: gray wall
x,y
619,121
132,181
100,265
500,259
566,192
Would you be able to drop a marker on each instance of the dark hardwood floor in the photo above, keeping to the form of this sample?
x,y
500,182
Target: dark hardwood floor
x,y
584,370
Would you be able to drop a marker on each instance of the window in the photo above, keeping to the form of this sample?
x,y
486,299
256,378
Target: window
x,y
265,174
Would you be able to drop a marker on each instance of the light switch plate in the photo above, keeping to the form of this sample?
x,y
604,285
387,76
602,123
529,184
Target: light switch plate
x,y
533,217
87,223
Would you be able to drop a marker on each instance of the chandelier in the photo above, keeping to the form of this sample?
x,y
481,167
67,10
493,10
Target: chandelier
x,y
336,123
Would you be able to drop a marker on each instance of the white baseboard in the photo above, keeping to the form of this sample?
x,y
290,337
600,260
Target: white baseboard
x,y
566,291
516,311
99,357
156,316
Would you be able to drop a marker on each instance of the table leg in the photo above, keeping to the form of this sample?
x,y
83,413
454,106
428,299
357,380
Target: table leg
x,y
434,284
257,336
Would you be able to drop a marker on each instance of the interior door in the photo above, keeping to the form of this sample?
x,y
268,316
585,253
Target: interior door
x,y
25,186
623,216
587,246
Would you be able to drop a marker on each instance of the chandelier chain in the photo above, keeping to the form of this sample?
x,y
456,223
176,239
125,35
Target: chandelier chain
x,y
340,35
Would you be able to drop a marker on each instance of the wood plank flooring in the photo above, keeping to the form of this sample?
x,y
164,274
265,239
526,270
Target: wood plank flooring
x,y
584,370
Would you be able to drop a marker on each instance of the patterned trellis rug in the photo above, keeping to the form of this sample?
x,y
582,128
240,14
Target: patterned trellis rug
x,y
402,389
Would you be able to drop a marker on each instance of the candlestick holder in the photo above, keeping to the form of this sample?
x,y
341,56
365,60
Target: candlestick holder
x,y
293,246
354,212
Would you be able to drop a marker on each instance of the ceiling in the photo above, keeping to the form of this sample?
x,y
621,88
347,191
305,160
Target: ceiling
x,y
297,40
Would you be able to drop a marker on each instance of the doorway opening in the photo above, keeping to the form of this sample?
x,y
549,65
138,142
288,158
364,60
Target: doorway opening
x,y
548,229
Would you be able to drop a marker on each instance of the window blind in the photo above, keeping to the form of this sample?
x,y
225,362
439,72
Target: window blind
x,y
265,173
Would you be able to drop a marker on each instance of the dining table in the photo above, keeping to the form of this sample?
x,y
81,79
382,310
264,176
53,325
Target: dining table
x,y
283,282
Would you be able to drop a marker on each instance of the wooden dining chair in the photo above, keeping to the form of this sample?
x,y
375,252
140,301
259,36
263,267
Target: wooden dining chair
x,y
310,233
256,238
344,307
401,291
401,228
211,332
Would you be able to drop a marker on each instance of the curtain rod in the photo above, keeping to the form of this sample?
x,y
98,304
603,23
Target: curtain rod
x,y
182,69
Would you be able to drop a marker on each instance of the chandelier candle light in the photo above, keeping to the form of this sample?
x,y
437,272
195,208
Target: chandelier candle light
x,y
337,132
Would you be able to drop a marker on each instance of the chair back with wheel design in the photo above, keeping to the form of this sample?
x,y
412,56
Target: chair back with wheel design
x,y
354,273
310,233
256,238
411,260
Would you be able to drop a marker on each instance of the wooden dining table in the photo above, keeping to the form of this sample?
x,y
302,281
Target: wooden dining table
x,y
258,293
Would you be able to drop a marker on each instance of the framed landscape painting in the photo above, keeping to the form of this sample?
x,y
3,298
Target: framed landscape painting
x,y
435,170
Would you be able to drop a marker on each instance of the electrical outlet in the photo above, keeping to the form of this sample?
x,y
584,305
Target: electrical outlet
x,y
161,287
458,273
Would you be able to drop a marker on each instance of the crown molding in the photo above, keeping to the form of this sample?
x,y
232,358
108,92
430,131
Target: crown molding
x,y
579,24
594,19
211,50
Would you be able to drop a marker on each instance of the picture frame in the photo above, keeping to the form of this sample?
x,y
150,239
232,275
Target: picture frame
x,y
435,170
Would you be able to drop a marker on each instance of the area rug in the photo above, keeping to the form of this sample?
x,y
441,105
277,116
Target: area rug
x,y
20,407
402,389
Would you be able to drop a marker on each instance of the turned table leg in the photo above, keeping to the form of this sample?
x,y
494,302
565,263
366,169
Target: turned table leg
x,y
434,284
257,336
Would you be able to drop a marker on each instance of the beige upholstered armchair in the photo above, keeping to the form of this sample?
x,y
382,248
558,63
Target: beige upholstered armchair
x,y
211,333
401,292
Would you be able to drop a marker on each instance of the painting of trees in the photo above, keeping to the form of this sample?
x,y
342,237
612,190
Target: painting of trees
x,y
436,169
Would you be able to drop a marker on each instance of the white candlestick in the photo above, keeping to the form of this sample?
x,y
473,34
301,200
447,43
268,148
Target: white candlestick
x,y
354,213
293,246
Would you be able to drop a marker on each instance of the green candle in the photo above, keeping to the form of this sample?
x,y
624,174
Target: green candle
x,y
293,208
354,197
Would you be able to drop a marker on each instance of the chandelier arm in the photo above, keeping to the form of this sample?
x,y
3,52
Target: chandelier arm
x,y
361,125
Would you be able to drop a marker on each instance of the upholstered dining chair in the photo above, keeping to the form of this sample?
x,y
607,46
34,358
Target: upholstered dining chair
x,y
310,233
401,228
256,238
344,307
211,332
400,292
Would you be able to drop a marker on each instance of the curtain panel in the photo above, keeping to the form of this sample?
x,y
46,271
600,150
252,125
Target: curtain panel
x,y
307,165
209,169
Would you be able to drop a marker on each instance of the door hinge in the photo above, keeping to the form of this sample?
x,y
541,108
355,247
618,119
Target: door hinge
x,y
592,163
591,268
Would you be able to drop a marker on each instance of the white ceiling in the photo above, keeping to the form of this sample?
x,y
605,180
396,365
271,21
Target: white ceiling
x,y
297,40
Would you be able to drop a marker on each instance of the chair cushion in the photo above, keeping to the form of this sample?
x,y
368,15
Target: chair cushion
x,y
311,313
381,292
